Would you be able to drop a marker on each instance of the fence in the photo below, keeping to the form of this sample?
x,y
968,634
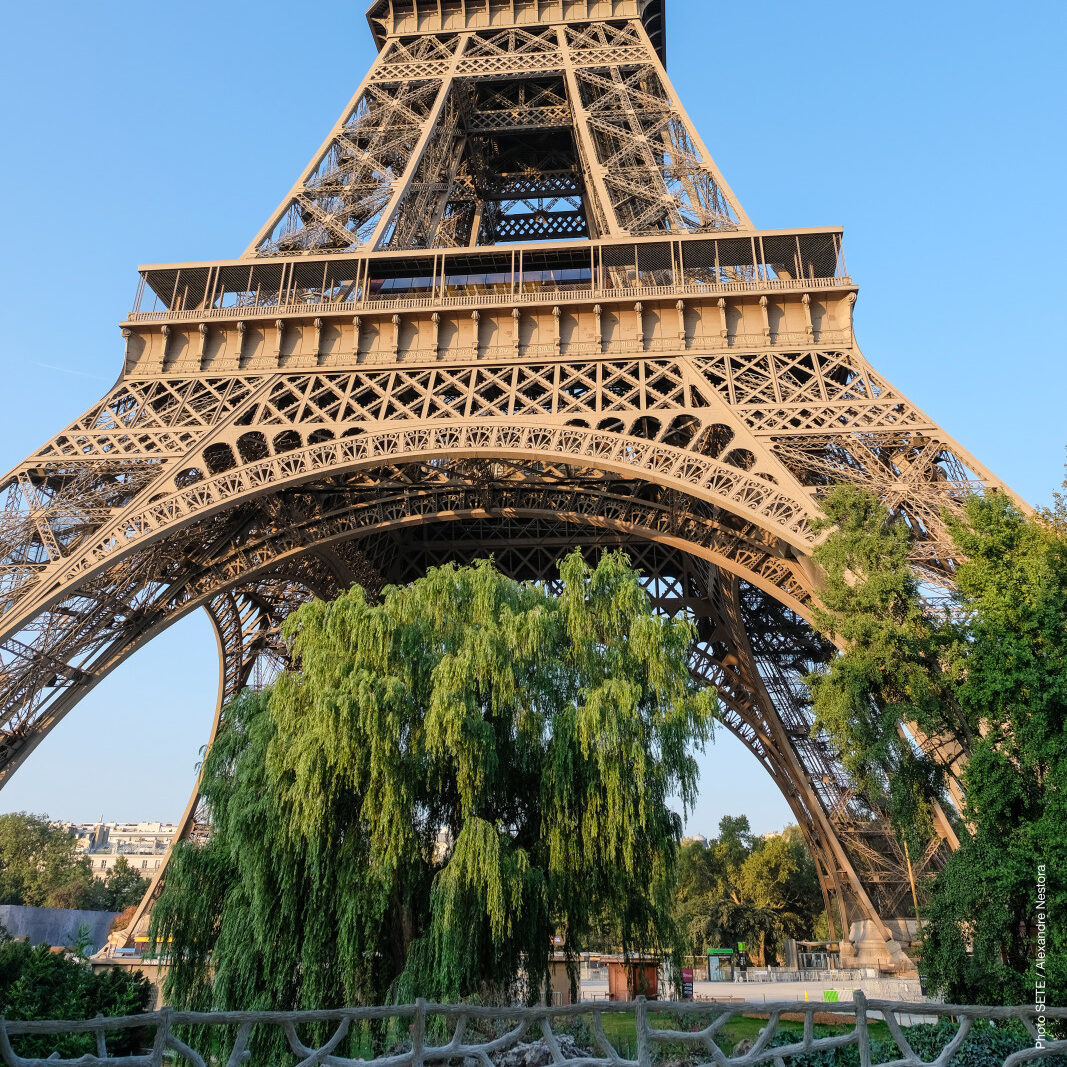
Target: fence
x,y
476,1036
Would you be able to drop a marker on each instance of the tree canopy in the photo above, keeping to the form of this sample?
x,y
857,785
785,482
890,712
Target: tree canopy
x,y
990,669
449,778
1010,665
741,888
40,866
892,671
122,887
38,862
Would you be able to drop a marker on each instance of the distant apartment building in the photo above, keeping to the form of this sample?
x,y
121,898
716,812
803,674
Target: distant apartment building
x,y
143,844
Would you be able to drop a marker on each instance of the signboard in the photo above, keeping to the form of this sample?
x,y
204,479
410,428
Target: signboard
x,y
687,983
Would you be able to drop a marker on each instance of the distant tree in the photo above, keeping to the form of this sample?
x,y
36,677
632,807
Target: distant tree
x,y
735,841
36,983
544,733
124,918
780,884
123,886
746,889
39,864
700,874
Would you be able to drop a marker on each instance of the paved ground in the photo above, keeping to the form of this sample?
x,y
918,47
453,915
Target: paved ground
x,y
768,992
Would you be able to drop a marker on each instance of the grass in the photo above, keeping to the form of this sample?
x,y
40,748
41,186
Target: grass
x,y
621,1031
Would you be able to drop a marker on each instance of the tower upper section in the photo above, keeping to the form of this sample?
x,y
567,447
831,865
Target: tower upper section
x,y
488,122
512,146
396,18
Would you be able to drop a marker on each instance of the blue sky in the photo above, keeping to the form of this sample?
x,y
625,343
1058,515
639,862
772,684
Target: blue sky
x,y
933,132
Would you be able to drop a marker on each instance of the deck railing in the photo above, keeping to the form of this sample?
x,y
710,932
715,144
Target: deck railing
x,y
432,1034
489,297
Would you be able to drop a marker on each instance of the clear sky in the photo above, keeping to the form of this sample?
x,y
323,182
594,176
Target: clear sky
x,y
153,132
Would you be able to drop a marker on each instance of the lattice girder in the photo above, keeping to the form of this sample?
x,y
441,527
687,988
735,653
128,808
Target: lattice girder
x,y
387,171
705,421
166,574
290,427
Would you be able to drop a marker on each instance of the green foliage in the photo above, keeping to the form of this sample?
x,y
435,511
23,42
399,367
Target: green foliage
x,y
38,984
892,670
987,1045
40,867
1056,516
1010,659
542,734
741,888
992,672
81,941
122,887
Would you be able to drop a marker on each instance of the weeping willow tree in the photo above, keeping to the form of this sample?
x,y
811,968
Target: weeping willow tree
x,y
449,778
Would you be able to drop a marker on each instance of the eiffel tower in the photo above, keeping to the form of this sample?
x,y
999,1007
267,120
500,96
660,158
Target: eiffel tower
x,y
511,306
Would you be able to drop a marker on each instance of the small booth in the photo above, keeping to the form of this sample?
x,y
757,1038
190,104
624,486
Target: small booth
x,y
720,964
632,977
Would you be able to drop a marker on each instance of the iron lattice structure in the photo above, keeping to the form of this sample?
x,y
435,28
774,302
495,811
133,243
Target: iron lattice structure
x,y
510,306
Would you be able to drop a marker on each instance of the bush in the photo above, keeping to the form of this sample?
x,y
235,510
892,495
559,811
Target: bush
x,y
36,983
987,1045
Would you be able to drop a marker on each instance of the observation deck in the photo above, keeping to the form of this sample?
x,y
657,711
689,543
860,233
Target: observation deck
x,y
699,292
796,260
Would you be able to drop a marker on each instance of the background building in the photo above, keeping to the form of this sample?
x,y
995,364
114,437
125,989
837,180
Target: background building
x,y
144,844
